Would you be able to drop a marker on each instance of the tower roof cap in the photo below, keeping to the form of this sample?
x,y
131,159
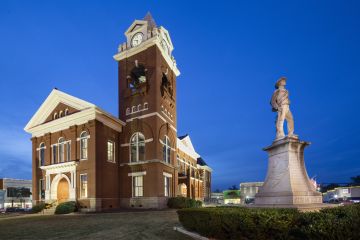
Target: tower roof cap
x,y
151,22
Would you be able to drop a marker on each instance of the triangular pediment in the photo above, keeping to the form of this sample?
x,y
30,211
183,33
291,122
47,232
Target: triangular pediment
x,y
61,110
187,142
135,26
57,101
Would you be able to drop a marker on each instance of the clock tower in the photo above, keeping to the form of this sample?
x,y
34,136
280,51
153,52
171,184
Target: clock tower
x,y
147,104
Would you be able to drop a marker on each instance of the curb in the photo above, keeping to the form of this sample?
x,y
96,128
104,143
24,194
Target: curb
x,y
190,234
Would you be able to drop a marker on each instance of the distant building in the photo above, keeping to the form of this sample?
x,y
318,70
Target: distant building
x,y
232,197
342,193
248,191
15,193
217,198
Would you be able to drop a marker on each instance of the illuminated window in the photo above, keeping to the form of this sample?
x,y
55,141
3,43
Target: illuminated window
x,y
166,150
167,186
138,187
137,147
54,154
111,151
83,186
84,145
61,148
42,154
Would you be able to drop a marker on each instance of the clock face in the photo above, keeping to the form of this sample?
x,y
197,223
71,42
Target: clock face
x,y
137,39
165,46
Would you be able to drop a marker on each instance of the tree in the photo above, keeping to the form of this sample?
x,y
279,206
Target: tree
x,y
329,187
355,180
22,193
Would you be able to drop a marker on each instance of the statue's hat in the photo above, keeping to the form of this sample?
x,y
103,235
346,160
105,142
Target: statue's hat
x,y
279,80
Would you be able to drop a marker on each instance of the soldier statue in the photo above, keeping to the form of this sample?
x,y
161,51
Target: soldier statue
x,y
280,103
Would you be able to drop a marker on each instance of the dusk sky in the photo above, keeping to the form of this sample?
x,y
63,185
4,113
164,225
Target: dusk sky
x,y
230,54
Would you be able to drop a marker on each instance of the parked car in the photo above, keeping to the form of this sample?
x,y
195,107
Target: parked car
x,y
2,210
334,201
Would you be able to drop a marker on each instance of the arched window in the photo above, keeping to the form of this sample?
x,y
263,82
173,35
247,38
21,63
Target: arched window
x,y
127,111
61,114
146,105
55,116
166,150
42,154
66,112
61,143
133,109
137,147
84,145
139,107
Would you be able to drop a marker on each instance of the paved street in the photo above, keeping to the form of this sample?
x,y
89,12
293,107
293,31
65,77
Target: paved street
x,y
122,225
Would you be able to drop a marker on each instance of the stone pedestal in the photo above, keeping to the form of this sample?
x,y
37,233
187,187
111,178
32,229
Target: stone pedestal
x,y
287,183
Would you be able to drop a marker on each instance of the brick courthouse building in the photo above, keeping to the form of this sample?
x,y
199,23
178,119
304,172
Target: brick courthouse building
x,y
81,152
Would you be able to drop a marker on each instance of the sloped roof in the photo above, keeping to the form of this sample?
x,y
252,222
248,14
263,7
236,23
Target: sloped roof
x,y
182,137
55,97
201,162
151,22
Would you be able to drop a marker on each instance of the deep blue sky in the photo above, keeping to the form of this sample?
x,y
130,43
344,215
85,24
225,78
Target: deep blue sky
x,y
229,53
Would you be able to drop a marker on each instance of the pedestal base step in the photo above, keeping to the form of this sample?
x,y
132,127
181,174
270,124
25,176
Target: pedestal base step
x,y
301,207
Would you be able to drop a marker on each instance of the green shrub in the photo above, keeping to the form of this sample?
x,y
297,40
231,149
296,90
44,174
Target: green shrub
x,y
183,202
66,207
38,208
257,223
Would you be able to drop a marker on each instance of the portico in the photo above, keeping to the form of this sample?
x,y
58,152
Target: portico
x,y
60,181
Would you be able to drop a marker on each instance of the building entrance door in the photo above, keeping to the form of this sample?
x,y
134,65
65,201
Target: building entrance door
x,y
63,190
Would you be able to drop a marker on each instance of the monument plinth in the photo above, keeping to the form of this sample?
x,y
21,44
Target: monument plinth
x,y
287,183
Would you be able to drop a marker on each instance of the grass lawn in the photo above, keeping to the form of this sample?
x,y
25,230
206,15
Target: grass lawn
x,y
121,225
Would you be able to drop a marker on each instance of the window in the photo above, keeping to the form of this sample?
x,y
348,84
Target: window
x,y
84,145
60,114
66,112
138,187
111,151
83,186
41,189
18,192
166,150
139,107
61,150
133,109
68,151
137,147
167,186
146,105
54,154
127,111
55,116
42,154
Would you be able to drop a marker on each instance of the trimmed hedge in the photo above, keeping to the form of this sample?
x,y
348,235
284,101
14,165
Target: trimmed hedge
x,y
255,223
183,202
66,207
38,208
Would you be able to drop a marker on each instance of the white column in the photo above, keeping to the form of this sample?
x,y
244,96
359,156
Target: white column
x,y
47,187
73,185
